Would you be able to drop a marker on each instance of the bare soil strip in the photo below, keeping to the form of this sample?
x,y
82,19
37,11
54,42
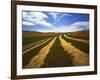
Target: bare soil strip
x,y
35,46
81,40
32,44
39,59
79,58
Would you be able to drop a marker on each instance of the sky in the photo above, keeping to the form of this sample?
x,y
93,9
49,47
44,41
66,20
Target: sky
x,y
54,21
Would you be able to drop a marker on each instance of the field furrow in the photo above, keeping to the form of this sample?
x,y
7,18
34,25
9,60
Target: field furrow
x,y
84,47
79,57
33,44
26,58
57,57
39,59
36,46
80,40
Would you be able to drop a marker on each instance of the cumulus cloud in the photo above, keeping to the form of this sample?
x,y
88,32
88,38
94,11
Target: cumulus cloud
x,y
61,16
83,23
76,26
54,15
43,23
38,15
27,23
34,15
37,18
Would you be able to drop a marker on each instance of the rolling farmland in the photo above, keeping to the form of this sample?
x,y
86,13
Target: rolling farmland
x,y
55,50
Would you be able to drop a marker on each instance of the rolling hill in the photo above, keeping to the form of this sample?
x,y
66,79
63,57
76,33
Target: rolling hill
x,y
80,34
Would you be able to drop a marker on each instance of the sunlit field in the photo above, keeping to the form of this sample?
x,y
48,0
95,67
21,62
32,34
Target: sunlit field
x,y
54,39
64,51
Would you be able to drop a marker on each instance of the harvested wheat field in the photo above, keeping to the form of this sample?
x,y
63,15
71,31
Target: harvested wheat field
x,y
56,50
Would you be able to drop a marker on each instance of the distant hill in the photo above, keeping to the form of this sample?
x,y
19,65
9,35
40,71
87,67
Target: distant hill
x,y
80,34
37,34
33,33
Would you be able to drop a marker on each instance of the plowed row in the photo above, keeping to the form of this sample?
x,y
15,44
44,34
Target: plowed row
x,y
59,51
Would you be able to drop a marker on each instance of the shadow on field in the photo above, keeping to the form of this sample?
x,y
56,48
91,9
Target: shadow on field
x,y
29,55
80,45
57,57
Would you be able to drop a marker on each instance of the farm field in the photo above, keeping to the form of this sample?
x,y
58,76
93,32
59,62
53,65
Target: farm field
x,y
43,50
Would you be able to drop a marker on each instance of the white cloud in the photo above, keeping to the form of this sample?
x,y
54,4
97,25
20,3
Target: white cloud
x,y
49,30
37,18
27,16
85,23
54,15
38,15
28,23
77,26
34,15
24,14
43,23
61,16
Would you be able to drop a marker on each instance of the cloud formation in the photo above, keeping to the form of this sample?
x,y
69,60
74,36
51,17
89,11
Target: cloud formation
x,y
42,19
35,18
77,26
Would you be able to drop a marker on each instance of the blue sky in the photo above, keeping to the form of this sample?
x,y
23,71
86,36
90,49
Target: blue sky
x,y
54,21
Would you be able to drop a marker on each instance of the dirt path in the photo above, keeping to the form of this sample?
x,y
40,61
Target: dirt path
x,y
79,58
81,40
39,59
36,46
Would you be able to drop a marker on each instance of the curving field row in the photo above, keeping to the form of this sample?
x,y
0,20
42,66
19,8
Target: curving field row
x,y
33,47
59,51
32,44
39,59
80,40
79,57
